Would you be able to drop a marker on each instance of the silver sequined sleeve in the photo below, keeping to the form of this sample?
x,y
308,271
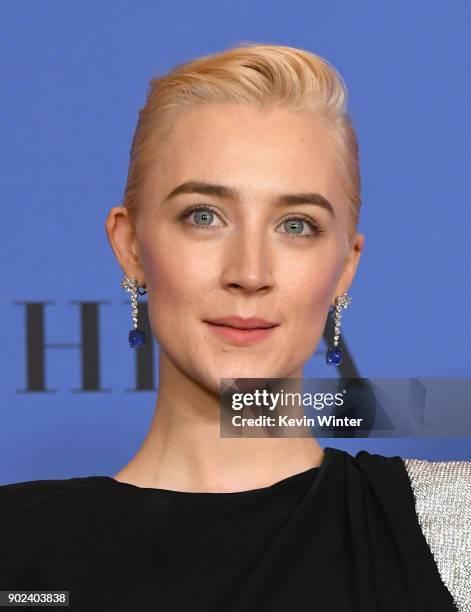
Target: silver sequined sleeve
x,y
442,492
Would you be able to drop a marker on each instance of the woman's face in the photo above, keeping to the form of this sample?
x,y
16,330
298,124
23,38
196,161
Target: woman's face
x,y
250,250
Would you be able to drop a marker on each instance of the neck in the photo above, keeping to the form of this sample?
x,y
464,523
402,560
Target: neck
x,y
183,450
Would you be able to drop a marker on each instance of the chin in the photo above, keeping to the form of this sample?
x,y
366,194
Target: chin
x,y
232,370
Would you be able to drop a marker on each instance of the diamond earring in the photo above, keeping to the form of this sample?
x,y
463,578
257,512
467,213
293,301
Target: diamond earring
x,y
334,355
136,336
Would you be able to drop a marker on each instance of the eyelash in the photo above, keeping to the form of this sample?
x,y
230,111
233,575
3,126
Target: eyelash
x,y
312,224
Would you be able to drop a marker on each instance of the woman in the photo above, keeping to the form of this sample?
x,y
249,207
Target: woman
x,y
240,213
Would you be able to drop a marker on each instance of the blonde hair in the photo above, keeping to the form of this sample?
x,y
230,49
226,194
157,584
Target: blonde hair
x,y
256,74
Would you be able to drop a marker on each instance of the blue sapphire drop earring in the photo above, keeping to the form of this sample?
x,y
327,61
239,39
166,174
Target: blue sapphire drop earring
x,y
136,336
334,355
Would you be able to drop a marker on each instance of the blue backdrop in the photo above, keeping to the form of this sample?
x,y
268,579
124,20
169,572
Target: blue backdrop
x,y
74,76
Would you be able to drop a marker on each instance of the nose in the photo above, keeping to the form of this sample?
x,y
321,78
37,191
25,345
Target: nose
x,y
248,262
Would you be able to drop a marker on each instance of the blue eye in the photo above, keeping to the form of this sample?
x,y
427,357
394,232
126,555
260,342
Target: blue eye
x,y
204,215
295,225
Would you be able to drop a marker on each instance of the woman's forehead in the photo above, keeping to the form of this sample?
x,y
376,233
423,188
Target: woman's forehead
x,y
280,153
245,125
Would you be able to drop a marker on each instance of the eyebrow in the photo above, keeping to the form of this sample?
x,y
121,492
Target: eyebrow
x,y
230,193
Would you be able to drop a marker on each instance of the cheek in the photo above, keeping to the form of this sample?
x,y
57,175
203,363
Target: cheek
x,y
309,290
176,281
309,316
306,297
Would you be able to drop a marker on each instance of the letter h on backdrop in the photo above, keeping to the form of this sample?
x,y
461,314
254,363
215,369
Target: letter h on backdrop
x,y
89,349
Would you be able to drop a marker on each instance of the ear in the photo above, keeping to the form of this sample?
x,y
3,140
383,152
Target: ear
x,y
350,267
122,238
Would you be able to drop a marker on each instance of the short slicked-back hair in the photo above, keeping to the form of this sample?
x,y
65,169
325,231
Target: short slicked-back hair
x,y
255,74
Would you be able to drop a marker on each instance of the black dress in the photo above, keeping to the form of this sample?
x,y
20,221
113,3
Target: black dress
x,y
341,537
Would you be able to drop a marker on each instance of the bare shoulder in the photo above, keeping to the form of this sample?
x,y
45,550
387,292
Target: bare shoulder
x,y
442,493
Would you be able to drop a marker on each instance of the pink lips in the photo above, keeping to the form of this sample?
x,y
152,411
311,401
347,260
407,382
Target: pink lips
x,y
240,330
